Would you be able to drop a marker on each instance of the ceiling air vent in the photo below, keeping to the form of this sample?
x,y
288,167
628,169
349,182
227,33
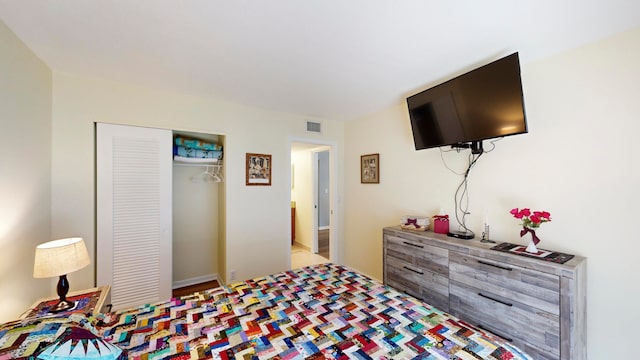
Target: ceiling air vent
x,y
313,127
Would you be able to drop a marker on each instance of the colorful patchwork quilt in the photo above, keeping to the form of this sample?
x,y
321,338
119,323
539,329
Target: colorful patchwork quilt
x,y
31,338
320,312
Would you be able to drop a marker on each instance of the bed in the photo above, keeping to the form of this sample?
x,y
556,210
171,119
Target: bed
x,y
324,311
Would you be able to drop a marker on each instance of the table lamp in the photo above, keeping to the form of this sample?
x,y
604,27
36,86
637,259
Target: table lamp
x,y
59,258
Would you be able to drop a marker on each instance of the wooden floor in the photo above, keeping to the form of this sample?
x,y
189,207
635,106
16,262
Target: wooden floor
x,y
323,243
194,288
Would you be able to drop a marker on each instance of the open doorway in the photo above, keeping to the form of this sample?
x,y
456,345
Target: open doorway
x,y
311,199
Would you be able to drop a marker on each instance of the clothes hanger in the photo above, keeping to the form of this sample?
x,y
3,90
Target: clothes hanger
x,y
211,174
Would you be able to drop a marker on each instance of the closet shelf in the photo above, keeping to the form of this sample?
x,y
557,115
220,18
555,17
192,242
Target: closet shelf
x,y
202,164
181,160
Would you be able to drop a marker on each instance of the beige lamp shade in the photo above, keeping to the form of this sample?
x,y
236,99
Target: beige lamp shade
x,y
60,257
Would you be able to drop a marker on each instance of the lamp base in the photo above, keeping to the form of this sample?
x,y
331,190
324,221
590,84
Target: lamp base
x,y
63,289
62,305
464,235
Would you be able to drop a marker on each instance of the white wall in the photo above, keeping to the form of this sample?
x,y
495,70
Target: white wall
x,y
578,162
25,173
302,194
257,217
195,226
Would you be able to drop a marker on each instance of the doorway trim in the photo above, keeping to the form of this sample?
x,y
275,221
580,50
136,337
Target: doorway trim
x,y
316,205
334,211
319,209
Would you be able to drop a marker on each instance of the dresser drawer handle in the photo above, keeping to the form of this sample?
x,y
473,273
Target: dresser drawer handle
x,y
414,245
496,300
415,271
494,265
495,333
410,294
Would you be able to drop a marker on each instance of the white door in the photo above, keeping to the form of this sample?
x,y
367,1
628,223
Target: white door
x,y
321,195
133,213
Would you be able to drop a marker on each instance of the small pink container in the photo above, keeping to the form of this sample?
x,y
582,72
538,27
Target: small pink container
x,y
441,224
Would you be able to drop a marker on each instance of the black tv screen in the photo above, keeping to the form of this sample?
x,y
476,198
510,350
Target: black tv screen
x,y
482,104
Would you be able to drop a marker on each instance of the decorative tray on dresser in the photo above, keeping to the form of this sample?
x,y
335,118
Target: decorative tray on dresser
x,y
538,305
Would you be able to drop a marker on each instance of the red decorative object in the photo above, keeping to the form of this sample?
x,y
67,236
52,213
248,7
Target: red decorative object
x,y
441,224
530,222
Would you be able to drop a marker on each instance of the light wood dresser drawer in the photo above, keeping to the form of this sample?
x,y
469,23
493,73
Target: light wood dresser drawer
x,y
527,327
512,282
417,253
423,284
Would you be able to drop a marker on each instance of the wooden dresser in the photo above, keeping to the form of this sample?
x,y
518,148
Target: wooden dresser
x,y
537,305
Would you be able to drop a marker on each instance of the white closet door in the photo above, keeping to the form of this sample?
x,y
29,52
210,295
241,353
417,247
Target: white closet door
x,y
133,172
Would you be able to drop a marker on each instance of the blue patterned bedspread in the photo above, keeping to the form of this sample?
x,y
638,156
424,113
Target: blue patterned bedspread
x,y
319,312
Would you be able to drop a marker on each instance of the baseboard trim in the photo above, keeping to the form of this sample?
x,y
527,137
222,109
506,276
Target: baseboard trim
x,y
195,280
295,243
324,227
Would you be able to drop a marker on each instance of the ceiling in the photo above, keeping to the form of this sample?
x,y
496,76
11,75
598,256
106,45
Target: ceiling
x,y
334,59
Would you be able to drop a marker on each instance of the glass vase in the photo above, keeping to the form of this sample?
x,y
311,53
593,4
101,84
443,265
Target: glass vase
x,y
531,248
531,234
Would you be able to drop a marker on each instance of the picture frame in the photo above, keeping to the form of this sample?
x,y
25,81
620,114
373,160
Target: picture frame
x,y
370,169
258,169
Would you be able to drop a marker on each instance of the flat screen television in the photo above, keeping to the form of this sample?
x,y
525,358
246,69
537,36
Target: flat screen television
x,y
482,104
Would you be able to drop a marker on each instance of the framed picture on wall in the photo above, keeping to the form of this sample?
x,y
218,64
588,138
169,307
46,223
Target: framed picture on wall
x,y
258,169
370,169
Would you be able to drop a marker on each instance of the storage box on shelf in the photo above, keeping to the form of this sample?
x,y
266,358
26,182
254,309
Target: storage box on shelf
x,y
539,306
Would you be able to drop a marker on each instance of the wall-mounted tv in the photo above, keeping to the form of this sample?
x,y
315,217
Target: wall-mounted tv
x,y
482,104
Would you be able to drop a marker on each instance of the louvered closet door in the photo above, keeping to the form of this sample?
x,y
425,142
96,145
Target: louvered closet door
x,y
133,171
